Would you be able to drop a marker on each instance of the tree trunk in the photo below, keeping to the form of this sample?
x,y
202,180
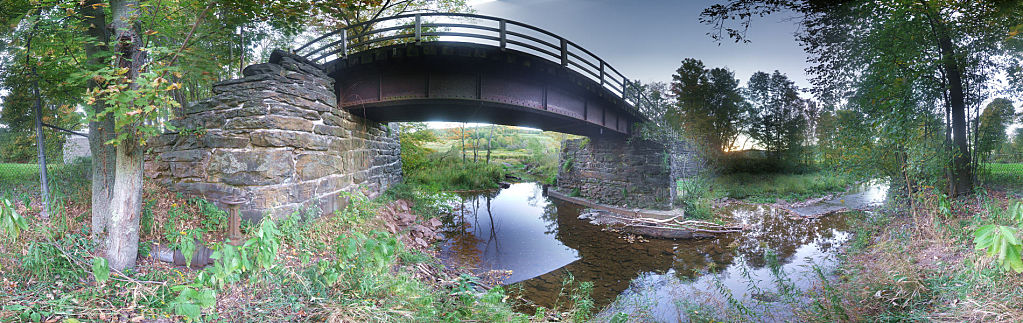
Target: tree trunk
x,y
962,177
126,206
489,138
103,155
126,200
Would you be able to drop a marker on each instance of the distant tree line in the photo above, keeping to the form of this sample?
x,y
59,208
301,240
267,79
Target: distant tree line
x,y
708,107
903,83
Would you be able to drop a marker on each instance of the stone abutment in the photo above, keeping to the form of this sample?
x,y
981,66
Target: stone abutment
x,y
277,138
618,171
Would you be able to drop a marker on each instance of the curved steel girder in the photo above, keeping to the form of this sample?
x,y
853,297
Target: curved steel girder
x,y
448,81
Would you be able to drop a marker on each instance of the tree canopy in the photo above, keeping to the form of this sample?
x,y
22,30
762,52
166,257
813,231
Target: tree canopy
x,y
901,63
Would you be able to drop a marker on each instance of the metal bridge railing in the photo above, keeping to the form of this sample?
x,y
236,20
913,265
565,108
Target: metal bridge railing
x,y
473,28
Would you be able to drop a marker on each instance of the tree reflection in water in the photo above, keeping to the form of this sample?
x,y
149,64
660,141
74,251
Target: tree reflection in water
x,y
541,240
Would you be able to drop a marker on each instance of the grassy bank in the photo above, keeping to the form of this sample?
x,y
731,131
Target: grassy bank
x,y
24,178
918,263
450,173
354,265
769,187
477,158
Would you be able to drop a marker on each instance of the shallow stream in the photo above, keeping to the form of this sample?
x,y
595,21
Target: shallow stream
x,y
540,239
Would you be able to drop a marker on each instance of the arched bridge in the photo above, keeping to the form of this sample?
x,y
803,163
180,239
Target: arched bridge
x,y
473,68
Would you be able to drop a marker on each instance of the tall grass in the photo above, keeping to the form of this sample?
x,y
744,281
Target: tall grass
x,y
455,174
768,187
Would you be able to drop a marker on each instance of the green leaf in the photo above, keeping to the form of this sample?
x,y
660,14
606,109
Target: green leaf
x,y
100,269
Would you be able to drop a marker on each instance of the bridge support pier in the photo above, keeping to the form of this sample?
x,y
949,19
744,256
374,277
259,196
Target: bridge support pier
x,y
631,173
276,138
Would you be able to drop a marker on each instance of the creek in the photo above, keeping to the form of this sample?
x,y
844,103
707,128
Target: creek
x,y
540,240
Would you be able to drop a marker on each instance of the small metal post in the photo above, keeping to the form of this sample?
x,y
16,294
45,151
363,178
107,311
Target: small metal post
x,y
234,232
40,146
564,52
344,43
419,29
625,89
602,73
504,34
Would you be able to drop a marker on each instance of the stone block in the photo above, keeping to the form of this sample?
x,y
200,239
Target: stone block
x,y
267,197
331,131
210,191
283,138
251,167
265,68
185,155
225,141
188,169
269,122
314,166
154,169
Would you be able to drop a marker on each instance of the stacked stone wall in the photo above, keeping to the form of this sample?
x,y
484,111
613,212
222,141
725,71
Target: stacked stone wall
x,y
632,173
611,170
686,163
277,138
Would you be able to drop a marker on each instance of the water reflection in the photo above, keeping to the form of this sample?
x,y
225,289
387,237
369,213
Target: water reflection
x,y
541,240
511,230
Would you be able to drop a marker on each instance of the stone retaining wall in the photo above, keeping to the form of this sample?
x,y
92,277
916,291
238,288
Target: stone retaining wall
x,y
610,170
276,137
630,173
685,162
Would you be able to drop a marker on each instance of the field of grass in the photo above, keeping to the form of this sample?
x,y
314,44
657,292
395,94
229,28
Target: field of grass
x,y
21,181
770,187
526,154
19,173
1009,176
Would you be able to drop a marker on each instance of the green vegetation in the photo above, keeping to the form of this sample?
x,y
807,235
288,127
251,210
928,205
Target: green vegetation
x,y
1002,175
926,272
453,174
344,266
457,158
767,188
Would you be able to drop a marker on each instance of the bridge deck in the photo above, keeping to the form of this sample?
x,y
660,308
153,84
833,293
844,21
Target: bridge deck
x,y
453,81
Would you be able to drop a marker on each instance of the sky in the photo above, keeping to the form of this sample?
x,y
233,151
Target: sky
x,y
647,39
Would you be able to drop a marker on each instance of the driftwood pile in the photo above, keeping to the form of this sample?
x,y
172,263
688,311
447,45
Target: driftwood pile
x,y
676,227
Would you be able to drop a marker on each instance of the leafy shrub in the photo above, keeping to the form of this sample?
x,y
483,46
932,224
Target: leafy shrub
x,y
11,223
1002,241
191,301
214,219
693,194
